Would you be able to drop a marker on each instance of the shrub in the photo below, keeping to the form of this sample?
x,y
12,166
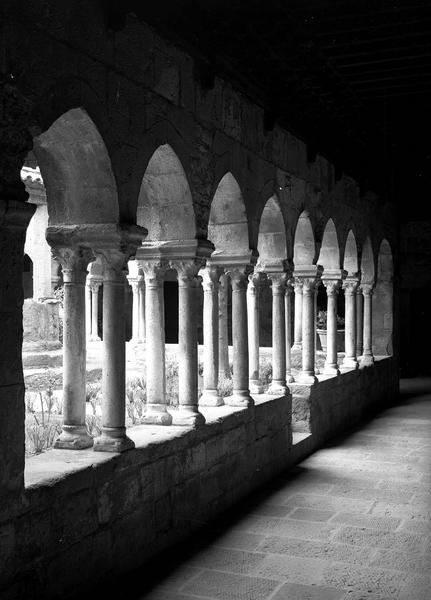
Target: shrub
x,y
41,436
171,382
225,386
93,395
136,398
94,425
265,372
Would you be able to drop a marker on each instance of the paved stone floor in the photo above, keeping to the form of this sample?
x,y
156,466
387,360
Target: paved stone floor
x,y
351,522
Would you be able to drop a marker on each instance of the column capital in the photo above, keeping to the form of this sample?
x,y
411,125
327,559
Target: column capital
x,y
278,281
350,286
74,262
210,278
239,276
332,286
367,288
187,271
154,272
94,284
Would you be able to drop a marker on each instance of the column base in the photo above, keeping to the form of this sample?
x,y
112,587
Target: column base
x,y
210,398
307,377
189,416
74,437
330,369
350,363
94,339
256,386
367,360
113,439
156,414
240,398
277,388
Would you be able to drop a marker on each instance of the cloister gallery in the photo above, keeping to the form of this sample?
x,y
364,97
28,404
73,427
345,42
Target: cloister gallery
x,y
138,174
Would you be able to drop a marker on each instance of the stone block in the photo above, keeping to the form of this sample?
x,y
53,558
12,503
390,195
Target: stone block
x,y
41,324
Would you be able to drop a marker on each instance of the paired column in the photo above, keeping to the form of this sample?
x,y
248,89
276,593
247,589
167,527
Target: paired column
x,y
359,322
253,294
94,287
241,393
188,412
210,281
367,355
113,437
309,287
297,335
350,345
223,295
288,328
74,262
331,363
138,308
156,412
278,384
141,310
87,309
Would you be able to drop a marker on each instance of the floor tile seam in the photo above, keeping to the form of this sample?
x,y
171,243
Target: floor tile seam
x,y
247,575
329,559
275,591
365,526
199,569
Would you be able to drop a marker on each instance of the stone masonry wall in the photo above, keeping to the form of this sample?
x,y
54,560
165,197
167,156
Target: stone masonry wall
x,y
111,513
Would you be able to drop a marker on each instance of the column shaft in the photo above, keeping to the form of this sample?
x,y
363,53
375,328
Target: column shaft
x,y
88,310
188,412
288,327
241,393
297,341
210,395
224,368
141,310
156,412
113,437
278,384
359,322
94,312
350,359
74,434
331,363
135,312
367,356
253,292
307,374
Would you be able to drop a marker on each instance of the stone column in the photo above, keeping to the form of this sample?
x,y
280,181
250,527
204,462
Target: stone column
x,y
359,322
113,437
367,356
288,327
241,393
278,384
331,362
74,261
350,359
141,310
309,286
135,310
297,334
88,310
156,412
253,293
210,397
224,369
188,412
94,287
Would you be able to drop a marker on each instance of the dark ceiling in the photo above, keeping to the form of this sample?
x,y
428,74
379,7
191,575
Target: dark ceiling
x,y
351,77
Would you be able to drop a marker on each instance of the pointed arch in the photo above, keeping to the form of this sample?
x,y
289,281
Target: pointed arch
x,y
367,262
351,264
304,246
76,171
329,256
272,233
228,226
165,204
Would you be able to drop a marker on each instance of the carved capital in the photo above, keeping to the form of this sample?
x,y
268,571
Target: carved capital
x,y
94,286
154,272
367,289
210,278
114,262
298,284
187,271
309,285
239,276
350,287
332,286
278,282
74,262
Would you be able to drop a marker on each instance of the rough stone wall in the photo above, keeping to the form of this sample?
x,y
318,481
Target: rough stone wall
x,y
113,512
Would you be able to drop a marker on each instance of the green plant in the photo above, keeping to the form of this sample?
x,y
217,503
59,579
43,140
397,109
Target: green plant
x,y
93,395
322,319
94,425
41,436
136,397
171,382
265,372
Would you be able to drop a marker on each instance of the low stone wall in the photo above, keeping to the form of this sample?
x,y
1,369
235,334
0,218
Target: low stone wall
x,y
85,516
41,323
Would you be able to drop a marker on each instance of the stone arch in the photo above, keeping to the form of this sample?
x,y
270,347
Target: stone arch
x,y
76,171
367,262
304,246
383,302
329,256
272,245
228,225
165,204
350,263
